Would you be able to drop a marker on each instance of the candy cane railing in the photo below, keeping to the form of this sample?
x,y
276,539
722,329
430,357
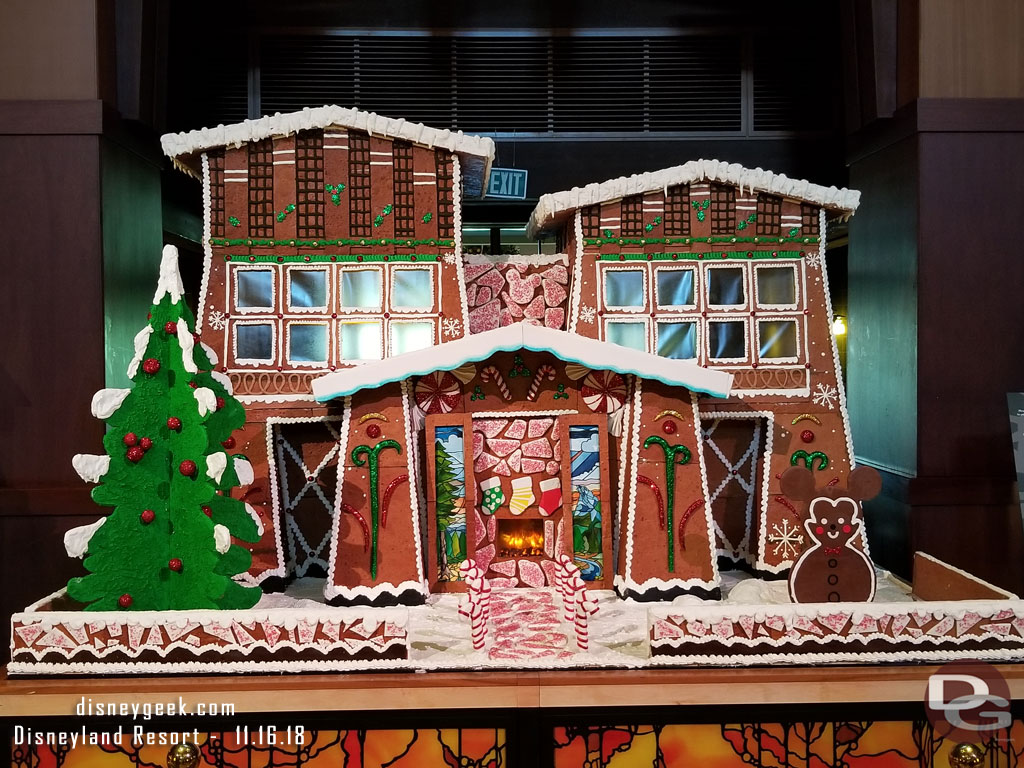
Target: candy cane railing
x,y
478,604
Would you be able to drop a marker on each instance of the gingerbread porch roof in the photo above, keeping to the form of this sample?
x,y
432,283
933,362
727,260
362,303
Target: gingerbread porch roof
x,y
566,346
476,152
554,207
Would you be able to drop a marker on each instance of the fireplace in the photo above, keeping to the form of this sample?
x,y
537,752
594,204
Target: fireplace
x,y
519,537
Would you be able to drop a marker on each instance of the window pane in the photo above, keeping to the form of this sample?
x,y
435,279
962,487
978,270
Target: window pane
x,y
677,340
412,289
776,285
632,335
307,343
778,338
361,288
726,339
254,341
255,288
360,341
623,288
307,288
725,286
408,337
675,287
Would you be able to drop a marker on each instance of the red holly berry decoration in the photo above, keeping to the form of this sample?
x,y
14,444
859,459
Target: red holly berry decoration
x,y
187,467
125,600
668,427
373,431
220,403
130,439
145,443
147,516
229,443
807,436
193,384
207,511
135,454
170,328
174,564
174,423
151,365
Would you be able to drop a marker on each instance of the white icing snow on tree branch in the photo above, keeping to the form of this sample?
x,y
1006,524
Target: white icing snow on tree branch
x,y
140,343
76,541
216,463
90,466
106,402
222,379
206,400
222,538
170,279
244,470
187,343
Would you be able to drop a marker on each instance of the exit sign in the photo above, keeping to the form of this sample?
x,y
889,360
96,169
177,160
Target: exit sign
x,y
507,184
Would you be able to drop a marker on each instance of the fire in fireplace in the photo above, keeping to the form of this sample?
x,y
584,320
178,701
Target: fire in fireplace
x,y
520,538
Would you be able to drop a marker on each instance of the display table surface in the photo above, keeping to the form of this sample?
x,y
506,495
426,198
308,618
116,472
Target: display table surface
x,y
30,697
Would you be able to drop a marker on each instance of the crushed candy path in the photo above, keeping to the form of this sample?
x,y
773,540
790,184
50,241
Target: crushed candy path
x,y
527,624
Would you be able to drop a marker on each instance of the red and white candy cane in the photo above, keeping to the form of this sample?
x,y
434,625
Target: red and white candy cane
x,y
586,607
492,372
544,372
574,587
478,626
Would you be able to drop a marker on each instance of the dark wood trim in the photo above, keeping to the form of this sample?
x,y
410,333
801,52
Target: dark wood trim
x,y
961,491
28,502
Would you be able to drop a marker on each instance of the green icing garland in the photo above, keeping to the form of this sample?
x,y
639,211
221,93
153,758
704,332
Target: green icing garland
x,y
372,455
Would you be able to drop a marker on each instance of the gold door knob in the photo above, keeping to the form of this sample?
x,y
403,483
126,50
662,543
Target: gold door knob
x,y
966,756
184,755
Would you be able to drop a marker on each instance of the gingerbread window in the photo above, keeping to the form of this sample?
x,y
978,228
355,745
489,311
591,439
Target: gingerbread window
x,y
677,206
309,184
727,340
677,339
254,289
217,216
409,336
627,333
362,289
769,213
261,188
632,216
777,340
405,224
361,340
307,289
591,221
360,219
809,218
307,343
723,209
254,342
445,194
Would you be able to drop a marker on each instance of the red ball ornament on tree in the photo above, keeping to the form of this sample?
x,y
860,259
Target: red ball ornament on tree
x,y
807,436
135,454
125,600
170,328
229,443
207,511
147,516
220,403
130,439
174,564
151,365
187,468
174,423
145,443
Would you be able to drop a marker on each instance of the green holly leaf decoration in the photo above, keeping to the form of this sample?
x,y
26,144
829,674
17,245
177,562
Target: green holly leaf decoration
x,y
234,222
427,217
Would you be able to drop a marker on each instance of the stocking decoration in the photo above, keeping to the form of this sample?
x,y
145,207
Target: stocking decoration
x,y
522,495
550,496
491,495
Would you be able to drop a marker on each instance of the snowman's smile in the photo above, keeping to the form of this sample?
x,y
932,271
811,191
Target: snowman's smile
x,y
833,534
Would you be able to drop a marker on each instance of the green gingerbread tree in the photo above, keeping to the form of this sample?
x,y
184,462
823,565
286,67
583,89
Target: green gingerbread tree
x,y
167,544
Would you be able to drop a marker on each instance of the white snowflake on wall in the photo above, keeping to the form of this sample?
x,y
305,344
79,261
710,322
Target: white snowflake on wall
x,y
826,395
218,320
787,539
451,326
814,260
449,259
587,314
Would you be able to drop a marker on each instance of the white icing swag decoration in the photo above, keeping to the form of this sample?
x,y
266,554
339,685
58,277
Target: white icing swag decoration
x,y
244,470
216,463
221,538
210,354
106,402
140,343
255,518
206,399
90,466
76,541
222,379
187,343
170,278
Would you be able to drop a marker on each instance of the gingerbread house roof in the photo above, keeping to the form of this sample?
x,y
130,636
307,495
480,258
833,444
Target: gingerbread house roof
x,y
555,207
566,346
475,152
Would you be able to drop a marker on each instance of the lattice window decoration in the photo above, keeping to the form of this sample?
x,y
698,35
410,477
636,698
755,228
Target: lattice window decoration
x,y
445,194
254,343
777,340
723,209
591,221
409,336
675,287
307,343
361,340
775,287
362,289
627,333
727,286
405,209
309,184
632,216
809,220
727,340
677,339
261,188
307,289
254,289
625,289
218,218
360,219
412,289
769,215
677,211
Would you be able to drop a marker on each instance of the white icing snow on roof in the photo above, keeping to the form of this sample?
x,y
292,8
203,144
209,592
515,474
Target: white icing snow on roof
x,y
566,346
183,147
551,207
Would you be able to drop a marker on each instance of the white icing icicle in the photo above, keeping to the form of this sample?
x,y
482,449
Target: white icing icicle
x,y
244,470
187,343
222,538
141,342
106,402
223,379
216,463
76,541
210,353
255,518
90,466
170,278
206,400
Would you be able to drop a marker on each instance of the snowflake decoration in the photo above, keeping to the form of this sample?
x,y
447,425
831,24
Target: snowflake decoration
x,y
451,326
218,320
826,395
587,314
786,538
449,259
814,260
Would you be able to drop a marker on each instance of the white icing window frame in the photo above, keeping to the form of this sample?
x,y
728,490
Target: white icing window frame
x,y
378,309
727,264
350,320
797,294
275,334
634,319
275,277
425,267
311,364
800,337
697,287
641,267
408,321
328,279
695,320
724,318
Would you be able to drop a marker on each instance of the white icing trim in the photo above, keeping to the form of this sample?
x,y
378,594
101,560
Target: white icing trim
x,y
377,309
412,463
169,282
274,332
187,343
214,359
224,380
221,538
216,463
634,466
577,273
332,550
140,343
255,518
76,541
529,259
206,400
90,467
755,349
106,402
373,592
297,398
460,268
675,267
551,206
204,286
528,413
709,520
275,276
318,365
795,267
244,470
